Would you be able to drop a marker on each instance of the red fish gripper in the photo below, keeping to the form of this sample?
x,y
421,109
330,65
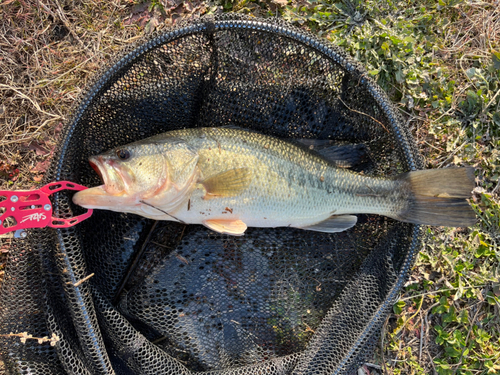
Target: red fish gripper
x,y
24,209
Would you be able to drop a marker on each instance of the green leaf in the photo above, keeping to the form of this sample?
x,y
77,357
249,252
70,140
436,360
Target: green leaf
x,y
463,317
496,59
471,72
450,316
398,307
452,352
496,118
491,298
399,76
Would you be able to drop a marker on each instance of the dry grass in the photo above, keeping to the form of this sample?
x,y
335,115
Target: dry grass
x,y
48,51
476,32
47,54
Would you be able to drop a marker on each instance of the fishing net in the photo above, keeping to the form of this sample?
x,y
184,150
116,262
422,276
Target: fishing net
x,y
165,298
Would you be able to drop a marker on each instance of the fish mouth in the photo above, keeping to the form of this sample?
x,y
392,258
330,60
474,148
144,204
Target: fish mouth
x,y
109,173
96,169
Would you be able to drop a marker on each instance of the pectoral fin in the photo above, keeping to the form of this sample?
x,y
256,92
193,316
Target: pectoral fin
x,y
334,224
232,227
227,184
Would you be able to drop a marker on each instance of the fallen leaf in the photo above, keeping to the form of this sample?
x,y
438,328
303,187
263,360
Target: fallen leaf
x,y
41,166
151,25
139,8
38,148
140,19
58,129
280,2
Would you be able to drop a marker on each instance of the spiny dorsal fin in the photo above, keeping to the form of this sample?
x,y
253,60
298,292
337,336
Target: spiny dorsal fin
x,y
228,183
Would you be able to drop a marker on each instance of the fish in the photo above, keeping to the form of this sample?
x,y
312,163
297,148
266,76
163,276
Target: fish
x,y
229,179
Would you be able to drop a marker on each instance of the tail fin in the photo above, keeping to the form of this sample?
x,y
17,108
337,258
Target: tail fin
x,y
438,197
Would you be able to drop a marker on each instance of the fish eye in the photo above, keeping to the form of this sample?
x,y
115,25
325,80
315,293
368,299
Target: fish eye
x,y
123,154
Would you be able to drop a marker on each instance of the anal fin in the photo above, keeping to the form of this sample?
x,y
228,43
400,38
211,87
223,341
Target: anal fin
x,y
232,227
334,224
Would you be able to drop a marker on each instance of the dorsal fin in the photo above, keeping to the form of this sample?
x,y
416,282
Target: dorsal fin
x,y
342,156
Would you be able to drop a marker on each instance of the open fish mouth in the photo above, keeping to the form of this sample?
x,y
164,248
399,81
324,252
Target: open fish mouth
x,y
109,174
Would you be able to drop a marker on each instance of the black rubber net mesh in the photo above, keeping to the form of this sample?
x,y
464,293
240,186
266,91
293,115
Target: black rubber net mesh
x,y
167,298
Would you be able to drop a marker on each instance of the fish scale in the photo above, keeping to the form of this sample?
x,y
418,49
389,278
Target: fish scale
x,y
287,188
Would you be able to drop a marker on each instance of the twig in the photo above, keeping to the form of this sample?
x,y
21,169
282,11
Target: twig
x,y
440,290
412,115
46,82
411,317
365,114
35,104
421,337
453,154
134,264
467,338
63,18
78,283
382,345
434,147
431,360
165,212
157,341
43,124
161,245
491,101
26,336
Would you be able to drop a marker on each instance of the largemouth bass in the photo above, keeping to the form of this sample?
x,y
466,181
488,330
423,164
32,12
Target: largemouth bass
x,y
229,179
